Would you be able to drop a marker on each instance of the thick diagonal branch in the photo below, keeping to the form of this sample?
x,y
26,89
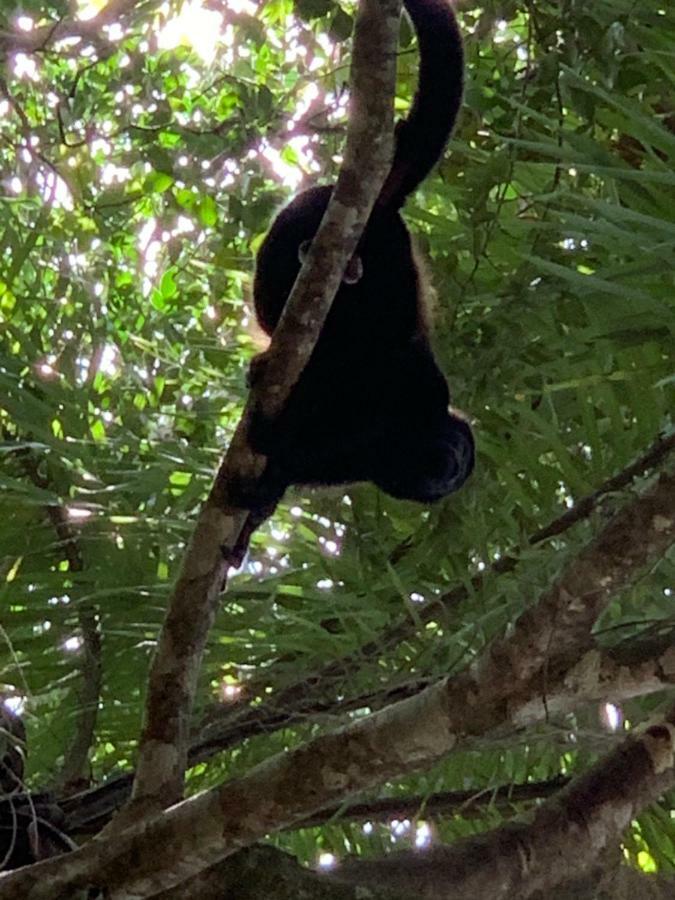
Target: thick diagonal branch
x,y
566,837
634,668
551,634
315,692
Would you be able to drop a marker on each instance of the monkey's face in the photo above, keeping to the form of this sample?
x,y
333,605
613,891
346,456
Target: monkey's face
x,y
381,266
279,258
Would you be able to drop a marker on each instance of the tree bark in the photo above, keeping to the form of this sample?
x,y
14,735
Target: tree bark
x,y
566,837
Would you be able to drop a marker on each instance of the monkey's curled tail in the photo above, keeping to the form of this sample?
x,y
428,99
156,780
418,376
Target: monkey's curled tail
x,y
421,138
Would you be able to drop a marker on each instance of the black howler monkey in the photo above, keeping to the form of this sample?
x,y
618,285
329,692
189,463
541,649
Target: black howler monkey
x,y
29,823
371,404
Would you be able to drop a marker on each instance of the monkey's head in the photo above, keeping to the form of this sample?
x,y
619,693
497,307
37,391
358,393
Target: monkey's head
x,y
382,263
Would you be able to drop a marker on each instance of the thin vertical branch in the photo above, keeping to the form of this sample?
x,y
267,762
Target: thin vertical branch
x,y
175,668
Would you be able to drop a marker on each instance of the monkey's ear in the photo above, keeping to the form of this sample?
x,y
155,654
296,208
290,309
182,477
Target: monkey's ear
x,y
303,250
354,270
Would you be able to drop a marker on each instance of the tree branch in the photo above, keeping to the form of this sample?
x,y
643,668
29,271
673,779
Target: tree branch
x,y
40,39
76,757
567,835
466,804
548,636
265,873
634,668
173,676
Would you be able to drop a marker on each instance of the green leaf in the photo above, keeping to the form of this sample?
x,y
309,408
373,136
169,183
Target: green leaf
x,y
208,211
167,285
158,182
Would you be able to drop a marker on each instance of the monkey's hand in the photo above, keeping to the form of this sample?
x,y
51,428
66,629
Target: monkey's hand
x,y
265,435
256,369
263,431
260,496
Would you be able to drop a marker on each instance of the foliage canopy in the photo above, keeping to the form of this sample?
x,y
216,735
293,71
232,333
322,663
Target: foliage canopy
x,y
139,170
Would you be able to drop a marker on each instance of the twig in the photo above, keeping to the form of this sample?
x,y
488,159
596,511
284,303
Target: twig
x,y
76,757
39,39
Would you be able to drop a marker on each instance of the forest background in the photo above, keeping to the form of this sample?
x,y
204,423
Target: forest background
x,y
144,148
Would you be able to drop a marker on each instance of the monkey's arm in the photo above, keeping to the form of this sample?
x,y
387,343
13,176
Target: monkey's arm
x,y
421,138
427,450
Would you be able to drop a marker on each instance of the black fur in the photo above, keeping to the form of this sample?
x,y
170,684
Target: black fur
x,y
371,404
